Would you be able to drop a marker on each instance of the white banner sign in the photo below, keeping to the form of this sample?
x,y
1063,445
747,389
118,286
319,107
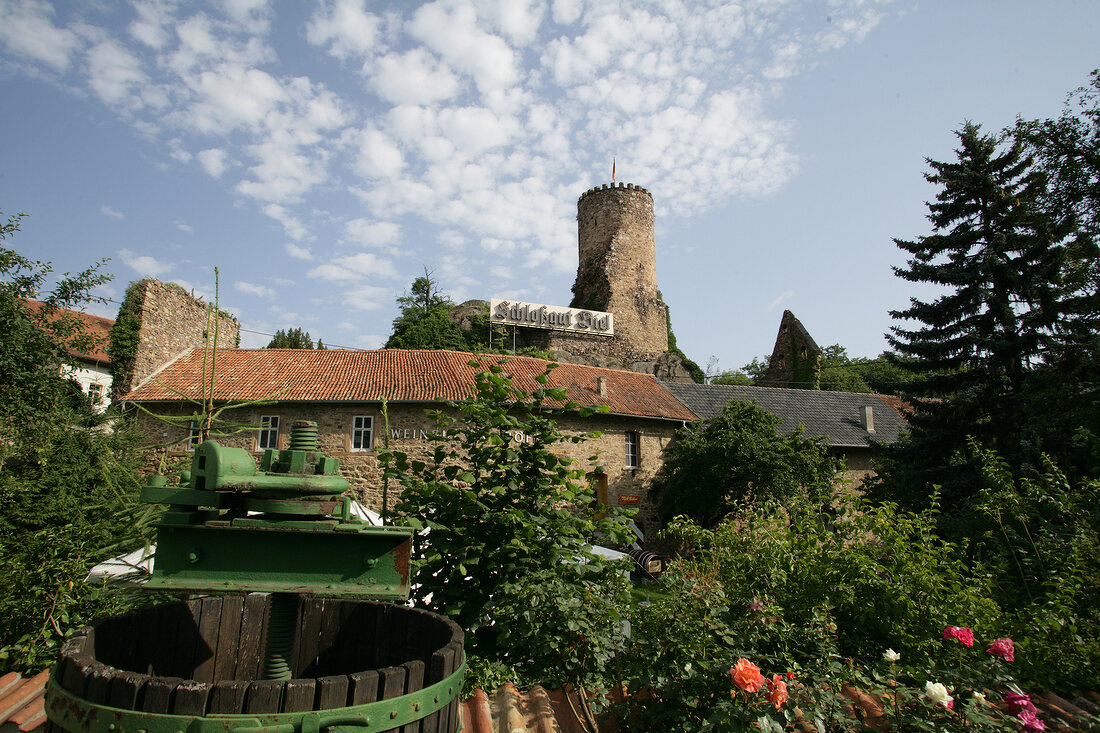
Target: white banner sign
x,y
536,315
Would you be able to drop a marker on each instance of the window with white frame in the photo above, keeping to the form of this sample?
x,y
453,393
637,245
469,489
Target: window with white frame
x,y
362,432
268,437
95,393
193,435
633,450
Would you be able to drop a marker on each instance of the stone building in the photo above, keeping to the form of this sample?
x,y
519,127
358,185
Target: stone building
x,y
342,391
89,367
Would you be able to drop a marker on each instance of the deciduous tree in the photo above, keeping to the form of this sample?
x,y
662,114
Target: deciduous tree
x,y
739,455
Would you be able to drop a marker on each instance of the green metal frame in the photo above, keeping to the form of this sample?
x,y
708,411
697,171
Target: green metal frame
x,y
74,713
324,558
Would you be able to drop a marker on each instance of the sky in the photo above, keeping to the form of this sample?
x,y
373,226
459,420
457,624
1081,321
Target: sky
x,y
323,154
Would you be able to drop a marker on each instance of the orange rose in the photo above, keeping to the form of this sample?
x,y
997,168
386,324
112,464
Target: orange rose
x,y
777,691
746,675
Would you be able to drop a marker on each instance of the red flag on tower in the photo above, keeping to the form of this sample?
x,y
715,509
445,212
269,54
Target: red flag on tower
x,y
612,168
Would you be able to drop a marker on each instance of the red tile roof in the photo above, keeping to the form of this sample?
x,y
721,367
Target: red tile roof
x,y
95,326
337,375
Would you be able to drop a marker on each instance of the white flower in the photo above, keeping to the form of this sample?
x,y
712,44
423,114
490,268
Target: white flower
x,y
687,667
937,693
891,656
979,698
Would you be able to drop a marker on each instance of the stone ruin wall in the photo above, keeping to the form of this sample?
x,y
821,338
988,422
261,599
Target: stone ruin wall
x,y
173,321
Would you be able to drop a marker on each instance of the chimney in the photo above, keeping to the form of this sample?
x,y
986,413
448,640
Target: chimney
x,y
867,417
601,386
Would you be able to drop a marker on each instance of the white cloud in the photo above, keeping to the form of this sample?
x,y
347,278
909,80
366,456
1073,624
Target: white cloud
x,y
473,130
414,77
213,161
233,96
253,289
355,267
111,212
153,23
518,20
27,30
345,27
368,298
144,265
372,233
250,15
781,298
379,156
293,227
298,253
283,172
454,34
184,227
116,75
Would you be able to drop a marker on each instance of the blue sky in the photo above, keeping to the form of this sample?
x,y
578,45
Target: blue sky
x,y
323,154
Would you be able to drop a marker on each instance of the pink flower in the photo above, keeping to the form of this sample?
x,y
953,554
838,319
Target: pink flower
x,y
1003,648
1018,701
962,633
1031,721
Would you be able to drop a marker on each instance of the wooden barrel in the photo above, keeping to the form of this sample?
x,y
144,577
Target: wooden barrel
x,y
197,667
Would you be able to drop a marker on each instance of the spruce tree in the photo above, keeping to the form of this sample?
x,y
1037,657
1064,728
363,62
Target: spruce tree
x,y
978,346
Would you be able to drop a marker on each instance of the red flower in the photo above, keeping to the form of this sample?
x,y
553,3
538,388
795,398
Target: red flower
x,y
746,675
790,675
777,691
1003,648
962,633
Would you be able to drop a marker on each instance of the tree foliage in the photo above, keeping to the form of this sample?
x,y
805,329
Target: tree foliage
x,y
505,517
739,456
425,321
981,347
66,479
292,338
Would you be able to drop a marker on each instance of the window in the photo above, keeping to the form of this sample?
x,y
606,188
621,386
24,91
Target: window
x,y
633,450
362,433
268,436
95,393
193,435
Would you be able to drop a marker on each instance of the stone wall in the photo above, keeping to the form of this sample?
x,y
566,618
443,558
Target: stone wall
x,y
173,321
409,426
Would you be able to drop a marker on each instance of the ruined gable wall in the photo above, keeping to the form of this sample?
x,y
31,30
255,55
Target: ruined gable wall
x,y
171,322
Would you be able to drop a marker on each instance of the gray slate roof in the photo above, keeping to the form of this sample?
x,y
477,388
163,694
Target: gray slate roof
x,y
834,416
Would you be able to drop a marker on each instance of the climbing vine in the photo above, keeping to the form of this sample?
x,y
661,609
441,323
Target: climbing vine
x,y
124,338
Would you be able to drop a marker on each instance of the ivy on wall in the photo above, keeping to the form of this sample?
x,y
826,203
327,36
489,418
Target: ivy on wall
x,y
124,338
696,372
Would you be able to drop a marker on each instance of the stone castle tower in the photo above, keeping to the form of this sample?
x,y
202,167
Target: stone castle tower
x,y
617,273
618,266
